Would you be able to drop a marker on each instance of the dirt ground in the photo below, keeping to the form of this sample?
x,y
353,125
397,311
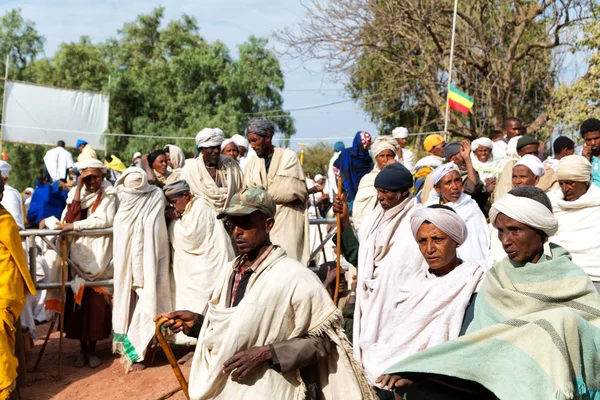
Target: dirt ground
x,y
108,381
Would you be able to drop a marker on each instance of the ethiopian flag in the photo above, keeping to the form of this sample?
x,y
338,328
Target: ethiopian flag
x,y
459,101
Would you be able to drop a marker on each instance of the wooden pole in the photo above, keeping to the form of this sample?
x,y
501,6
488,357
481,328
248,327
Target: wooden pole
x,y
169,353
319,227
4,102
338,247
63,297
450,71
43,349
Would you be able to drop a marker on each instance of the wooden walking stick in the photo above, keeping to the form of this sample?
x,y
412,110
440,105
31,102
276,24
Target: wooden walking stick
x,y
169,353
63,297
43,349
319,228
338,246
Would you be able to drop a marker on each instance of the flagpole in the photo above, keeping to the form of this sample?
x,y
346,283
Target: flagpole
x,y
4,102
450,70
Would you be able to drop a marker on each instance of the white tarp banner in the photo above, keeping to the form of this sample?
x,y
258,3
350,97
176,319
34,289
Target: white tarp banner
x,y
44,115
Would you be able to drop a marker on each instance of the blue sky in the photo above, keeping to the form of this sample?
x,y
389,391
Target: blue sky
x,y
230,21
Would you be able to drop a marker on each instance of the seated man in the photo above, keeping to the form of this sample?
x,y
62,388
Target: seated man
x,y
535,332
576,206
270,329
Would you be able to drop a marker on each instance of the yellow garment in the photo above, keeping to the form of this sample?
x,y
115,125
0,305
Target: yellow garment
x,y
115,164
15,284
87,154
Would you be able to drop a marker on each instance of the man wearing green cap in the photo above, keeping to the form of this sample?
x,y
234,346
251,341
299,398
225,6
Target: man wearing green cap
x,y
270,329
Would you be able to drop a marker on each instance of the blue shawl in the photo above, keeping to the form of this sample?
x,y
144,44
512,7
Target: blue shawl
x,y
354,163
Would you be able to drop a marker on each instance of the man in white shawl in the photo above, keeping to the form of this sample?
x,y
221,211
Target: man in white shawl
x,y
403,155
384,152
438,303
243,147
141,262
175,162
576,206
201,247
448,186
270,329
278,171
213,177
484,162
12,200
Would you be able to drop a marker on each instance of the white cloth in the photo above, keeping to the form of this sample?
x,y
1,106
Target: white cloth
x,y
283,300
497,252
447,221
499,150
408,159
489,169
88,153
241,141
429,161
579,228
13,203
442,171
533,163
387,258
476,247
526,211
5,168
400,133
511,148
209,137
58,160
176,155
382,143
574,168
331,182
482,141
551,162
90,163
366,198
216,194
141,260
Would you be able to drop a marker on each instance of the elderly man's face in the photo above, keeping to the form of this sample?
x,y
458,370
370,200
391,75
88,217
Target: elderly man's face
x,y
210,155
512,129
520,242
573,190
180,202
522,176
385,158
388,198
231,151
260,144
251,232
483,153
532,149
438,249
450,187
92,179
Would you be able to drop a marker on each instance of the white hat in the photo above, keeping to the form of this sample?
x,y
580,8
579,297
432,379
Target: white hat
x,y
533,163
209,137
5,168
318,177
400,133
137,154
240,140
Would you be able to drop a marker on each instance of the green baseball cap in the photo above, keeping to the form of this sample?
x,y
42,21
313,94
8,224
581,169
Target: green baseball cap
x,y
248,201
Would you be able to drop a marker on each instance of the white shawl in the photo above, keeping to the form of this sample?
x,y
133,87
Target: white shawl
x,y
387,258
141,260
283,300
203,185
366,198
579,228
489,169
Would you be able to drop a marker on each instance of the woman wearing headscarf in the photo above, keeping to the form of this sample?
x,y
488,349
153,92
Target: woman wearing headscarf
x,y
384,152
175,162
354,163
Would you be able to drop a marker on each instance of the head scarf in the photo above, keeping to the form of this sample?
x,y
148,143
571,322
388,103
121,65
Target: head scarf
x,y
451,149
338,146
260,127
533,163
400,133
442,171
133,178
176,155
137,154
226,142
483,141
318,177
431,141
239,140
446,220
91,163
574,168
394,177
5,168
209,137
354,163
383,143
526,211
80,142
176,188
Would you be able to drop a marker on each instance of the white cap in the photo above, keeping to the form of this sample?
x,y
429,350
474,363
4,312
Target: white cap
x,y
5,168
318,177
533,163
137,154
400,133
240,140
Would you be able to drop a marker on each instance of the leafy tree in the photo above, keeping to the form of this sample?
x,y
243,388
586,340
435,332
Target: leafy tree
x,y
316,159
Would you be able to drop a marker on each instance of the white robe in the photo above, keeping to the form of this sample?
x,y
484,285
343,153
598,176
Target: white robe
x,y
579,228
331,182
408,159
366,198
429,161
388,257
57,161
13,203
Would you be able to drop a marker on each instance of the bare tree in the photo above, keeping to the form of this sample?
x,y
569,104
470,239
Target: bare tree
x,y
393,55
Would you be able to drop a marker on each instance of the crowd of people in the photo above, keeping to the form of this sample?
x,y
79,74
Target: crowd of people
x,y
466,272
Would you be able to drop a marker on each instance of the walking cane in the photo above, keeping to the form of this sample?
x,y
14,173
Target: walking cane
x,y
169,353
338,247
43,349
63,297
319,228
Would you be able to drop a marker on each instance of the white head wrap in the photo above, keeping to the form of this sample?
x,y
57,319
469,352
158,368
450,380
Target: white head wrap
x,y
533,163
4,168
442,171
133,178
226,142
240,140
526,211
91,163
209,137
30,190
574,168
400,133
318,177
177,156
483,141
383,143
137,154
448,221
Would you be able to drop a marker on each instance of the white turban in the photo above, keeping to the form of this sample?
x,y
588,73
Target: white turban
x,y
574,168
226,142
209,137
442,171
5,168
400,133
533,163
240,140
91,163
526,211
318,177
446,220
483,141
383,143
